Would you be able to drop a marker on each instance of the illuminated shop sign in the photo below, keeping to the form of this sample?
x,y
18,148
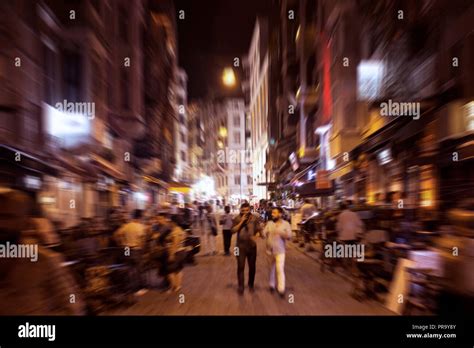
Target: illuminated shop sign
x,y
70,128
294,161
370,75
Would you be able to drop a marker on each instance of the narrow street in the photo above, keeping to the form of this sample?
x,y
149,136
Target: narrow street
x,y
210,288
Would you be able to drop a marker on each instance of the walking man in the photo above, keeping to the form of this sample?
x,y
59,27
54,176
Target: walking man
x,y
246,225
277,232
226,222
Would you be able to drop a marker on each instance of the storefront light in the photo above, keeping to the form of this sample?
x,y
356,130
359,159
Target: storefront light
x,y
331,164
301,152
32,182
140,196
65,185
47,200
427,203
469,112
205,186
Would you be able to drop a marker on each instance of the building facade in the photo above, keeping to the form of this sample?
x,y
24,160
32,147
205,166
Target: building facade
x,y
181,129
232,159
73,103
196,140
257,63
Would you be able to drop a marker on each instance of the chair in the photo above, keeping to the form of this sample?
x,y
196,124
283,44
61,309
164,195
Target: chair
x,y
369,272
424,289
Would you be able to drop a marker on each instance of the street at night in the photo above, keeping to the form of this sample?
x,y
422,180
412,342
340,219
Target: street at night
x,y
237,160
211,289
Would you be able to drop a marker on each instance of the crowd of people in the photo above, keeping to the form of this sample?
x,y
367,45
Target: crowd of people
x,y
157,239
162,239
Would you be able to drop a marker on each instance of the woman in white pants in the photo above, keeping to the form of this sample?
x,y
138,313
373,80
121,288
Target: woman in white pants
x,y
277,232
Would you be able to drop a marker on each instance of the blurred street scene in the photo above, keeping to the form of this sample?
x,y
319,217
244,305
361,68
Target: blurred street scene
x,y
274,157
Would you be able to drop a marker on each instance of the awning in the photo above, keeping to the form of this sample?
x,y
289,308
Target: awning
x,y
304,170
380,138
271,186
27,162
266,183
342,172
179,187
309,190
156,181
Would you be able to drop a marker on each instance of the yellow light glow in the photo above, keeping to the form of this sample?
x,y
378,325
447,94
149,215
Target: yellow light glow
x,y
220,144
301,152
371,197
228,77
298,33
223,132
184,190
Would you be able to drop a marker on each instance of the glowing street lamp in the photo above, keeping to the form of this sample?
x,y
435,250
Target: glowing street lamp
x,y
222,132
228,77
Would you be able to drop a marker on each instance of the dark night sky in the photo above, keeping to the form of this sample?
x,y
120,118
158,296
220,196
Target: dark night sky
x,y
211,35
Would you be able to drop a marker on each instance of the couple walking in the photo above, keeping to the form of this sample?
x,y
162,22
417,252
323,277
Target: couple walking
x,y
276,232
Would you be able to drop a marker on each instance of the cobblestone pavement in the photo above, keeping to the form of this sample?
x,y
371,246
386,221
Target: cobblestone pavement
x,y
210,288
